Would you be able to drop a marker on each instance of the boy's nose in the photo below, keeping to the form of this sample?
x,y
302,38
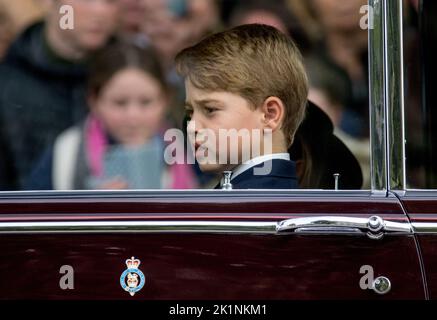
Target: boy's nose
x,y
193,126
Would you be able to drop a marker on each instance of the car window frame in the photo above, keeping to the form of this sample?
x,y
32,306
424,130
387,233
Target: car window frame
x,y
386,107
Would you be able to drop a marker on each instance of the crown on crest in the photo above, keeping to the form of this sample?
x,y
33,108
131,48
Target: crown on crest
x,y
133,263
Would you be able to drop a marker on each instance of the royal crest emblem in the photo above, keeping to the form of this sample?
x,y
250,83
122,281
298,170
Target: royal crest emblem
x,y
132,279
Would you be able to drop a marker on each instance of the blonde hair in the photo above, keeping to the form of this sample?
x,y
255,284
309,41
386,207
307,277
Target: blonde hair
x,y
254,61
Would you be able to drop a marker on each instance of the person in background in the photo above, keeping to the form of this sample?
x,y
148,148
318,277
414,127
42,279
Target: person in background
x,y
120,145
42,81
132,19
344,43
172,25
331,90
272,14
307,21
132,15
22,13
169,26
277,14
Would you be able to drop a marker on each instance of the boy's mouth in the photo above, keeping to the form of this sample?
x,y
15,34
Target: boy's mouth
x,y
200,148
197,146
200,145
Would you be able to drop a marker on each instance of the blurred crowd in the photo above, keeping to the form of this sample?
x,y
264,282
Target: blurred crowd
x,y
69,96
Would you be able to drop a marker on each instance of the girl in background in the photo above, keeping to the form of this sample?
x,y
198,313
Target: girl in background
x,y
120,145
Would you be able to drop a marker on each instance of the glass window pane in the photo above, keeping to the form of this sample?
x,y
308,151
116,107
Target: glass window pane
x,y
79,111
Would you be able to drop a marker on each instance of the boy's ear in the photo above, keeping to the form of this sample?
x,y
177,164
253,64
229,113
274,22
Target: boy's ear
x,y
274,110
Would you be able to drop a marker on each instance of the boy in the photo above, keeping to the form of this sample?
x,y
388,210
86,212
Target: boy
x,y
248,79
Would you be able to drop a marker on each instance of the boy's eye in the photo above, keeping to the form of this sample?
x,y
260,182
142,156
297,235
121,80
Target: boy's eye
x,y
209,110
189,113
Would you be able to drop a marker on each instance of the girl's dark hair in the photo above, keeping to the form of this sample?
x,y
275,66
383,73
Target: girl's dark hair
x,y
119,55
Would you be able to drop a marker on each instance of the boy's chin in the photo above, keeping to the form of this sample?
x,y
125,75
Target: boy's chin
x,y
214,168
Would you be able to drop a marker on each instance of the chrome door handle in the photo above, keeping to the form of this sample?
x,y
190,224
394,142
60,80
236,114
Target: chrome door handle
x,y
375,227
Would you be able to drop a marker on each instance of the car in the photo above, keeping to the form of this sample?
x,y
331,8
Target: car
x,y
239,244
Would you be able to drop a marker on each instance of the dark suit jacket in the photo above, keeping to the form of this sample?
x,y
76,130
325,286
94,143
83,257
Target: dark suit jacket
x,y
282,176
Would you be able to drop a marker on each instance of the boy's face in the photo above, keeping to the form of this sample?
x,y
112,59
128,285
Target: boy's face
x,y
213,114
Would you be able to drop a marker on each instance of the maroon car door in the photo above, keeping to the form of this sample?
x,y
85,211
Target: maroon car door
x,y
209,245
422,210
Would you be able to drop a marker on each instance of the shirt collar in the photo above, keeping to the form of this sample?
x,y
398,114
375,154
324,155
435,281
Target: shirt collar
x,y
256,161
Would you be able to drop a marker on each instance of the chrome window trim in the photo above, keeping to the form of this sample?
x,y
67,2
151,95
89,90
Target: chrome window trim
x,y
395,94
197,193
378,165
386,96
